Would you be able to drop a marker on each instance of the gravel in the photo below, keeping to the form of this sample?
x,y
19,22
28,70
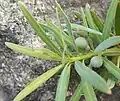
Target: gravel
x,y
16,70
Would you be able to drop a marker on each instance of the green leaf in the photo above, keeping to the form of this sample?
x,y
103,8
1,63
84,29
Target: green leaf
x,y
110,83
89,17
88,91
77,94
53,30
112,52
63,55
110,19
112,68
63,84
118,62
39,81
42,53
107,44
91,23
86,25
117,20
84,18
56,32
69,29
92,77
78,15
37,28
97,20
80,27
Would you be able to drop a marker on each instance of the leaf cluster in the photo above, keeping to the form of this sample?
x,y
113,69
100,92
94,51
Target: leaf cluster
x,y
103,40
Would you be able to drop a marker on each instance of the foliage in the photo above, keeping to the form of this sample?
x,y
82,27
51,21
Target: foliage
x,y
100,42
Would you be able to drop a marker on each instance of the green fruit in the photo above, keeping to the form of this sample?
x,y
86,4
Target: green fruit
x,y
81,43
96,61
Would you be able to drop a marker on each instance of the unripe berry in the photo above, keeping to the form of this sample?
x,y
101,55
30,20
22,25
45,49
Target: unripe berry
x,y
96,61
81,43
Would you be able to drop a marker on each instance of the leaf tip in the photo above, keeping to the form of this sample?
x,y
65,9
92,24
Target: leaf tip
x,y
20,3
87,5
7,44
109,92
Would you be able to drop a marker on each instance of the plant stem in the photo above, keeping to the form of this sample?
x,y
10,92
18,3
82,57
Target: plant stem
x,y
83,57
89,55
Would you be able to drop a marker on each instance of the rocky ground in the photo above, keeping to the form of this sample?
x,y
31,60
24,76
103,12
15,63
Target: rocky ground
x,y
16,70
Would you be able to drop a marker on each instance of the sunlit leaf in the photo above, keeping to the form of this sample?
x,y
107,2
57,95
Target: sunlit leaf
x,y
37,28
77,94
112,68
107,43
117,20
92,77
63,84
37,82
88,91
110,83
41,53
110,19
118,61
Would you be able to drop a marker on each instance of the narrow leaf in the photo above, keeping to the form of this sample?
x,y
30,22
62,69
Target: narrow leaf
x,y
112,52
69,29
110,19
65,36
78,15
97,20
88,91
41,53
84,18
77,94
110,83
85,23
92,77
38,29
91,23
66,20
107,44
89,17
80,27
63,84
39,81
117,20
112,68
56,32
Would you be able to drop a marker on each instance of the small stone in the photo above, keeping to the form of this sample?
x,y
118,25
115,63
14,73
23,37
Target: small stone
x,y
3,95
